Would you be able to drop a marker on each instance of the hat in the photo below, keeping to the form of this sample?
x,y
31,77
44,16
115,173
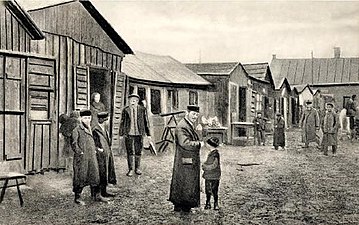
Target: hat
x,y
308,102
330,103
213,141
85,112
278,114
102,115
193,108
134,95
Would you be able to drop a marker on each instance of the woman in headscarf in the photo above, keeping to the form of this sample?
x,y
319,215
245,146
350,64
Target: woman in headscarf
x,y
96,107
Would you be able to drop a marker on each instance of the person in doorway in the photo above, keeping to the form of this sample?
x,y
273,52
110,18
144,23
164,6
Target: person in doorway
x,y
96,107
134,125
310,125
330,126
185,183
85,164
279,132
104,154
259,129
212,173
351,111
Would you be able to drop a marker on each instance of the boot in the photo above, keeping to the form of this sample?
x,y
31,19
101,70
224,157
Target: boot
x,y
104,192
78,199
138,165
208,202
216,207
100,198
130,165
93,193
334,149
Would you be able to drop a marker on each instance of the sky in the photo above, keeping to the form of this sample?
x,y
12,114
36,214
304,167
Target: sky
x,y
232,31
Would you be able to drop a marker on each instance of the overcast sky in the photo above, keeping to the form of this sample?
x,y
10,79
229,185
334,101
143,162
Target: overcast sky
x,y
245,31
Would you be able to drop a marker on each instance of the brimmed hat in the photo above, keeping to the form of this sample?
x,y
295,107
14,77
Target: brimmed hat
x,y
213,141
102,115
193,108
308,102
85,112
134,95
330,103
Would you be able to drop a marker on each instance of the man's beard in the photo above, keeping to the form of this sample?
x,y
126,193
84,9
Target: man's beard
x,y
87,124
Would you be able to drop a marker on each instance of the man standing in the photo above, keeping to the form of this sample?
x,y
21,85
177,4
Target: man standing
x,y
351,110
309,124
185,184
330,126
134,124
259,129
85,163
104,155
279,132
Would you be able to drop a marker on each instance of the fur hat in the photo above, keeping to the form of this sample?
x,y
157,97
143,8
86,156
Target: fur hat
x,y
102,115
213,141
85,112
193,108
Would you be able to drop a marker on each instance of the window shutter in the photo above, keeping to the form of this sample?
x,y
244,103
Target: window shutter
x,y
81,87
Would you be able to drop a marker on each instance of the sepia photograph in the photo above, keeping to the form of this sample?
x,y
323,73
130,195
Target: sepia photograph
x,y
179,112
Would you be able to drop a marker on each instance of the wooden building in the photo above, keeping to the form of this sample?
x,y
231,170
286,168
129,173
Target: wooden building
x,y
56,75
165,85
286,102
238,94
19,72
337,75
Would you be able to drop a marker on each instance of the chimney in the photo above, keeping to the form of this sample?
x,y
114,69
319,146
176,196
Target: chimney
x,y
336,52
274,56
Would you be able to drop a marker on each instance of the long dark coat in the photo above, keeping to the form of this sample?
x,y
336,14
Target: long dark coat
x,y
185,184
310,124
330,126
85,162
105,159
279,132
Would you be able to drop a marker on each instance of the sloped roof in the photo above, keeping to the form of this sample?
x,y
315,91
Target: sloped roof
x,y
29,25
257,70
164,69
105,25
316,70
212,68
302,87
278,84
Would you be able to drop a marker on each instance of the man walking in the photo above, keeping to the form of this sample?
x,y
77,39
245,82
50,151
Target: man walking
x,y
185,184
134,124
330,126
104,154
310,124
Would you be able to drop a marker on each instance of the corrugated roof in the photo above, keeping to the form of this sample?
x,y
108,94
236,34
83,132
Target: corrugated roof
x,y
158,68
316,70
257,70
213,68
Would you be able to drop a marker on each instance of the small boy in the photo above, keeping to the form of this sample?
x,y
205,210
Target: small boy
x,y
330,126
212,173
259,129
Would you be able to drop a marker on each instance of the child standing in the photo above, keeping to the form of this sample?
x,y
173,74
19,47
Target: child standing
x,y
212,173
259,129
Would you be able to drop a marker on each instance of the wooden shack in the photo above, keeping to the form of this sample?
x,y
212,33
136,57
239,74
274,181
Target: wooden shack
x,y
165,85
87,54
20,99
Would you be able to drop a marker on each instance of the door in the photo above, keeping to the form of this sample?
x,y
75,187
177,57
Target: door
x,y
12,109
42,151
242,104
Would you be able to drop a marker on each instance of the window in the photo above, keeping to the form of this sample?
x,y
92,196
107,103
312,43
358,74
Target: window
x,y
155,101
172,100
142,93
193,97
345,100
259,100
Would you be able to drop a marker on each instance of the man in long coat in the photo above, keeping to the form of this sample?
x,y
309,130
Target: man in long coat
x,y
134,125
330,126
351,111
104,155
185,184
85,163
310,124
279,132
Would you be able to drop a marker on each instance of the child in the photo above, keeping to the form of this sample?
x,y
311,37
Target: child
x,y
259,129
212,173
330,126
279,133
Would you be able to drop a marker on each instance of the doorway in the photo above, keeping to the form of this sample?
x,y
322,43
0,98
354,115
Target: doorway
x,y
100,82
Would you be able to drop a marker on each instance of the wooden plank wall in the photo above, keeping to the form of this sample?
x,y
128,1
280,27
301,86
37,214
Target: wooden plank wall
x,y
12,35
70,54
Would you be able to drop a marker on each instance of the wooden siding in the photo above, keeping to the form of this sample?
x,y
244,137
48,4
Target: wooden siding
x,y
12,35
73,20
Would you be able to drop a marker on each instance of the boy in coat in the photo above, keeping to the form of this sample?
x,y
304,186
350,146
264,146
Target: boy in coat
x,y
330,126
85,163
104,154
185,183
259,129
279,132
134,125
212,173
